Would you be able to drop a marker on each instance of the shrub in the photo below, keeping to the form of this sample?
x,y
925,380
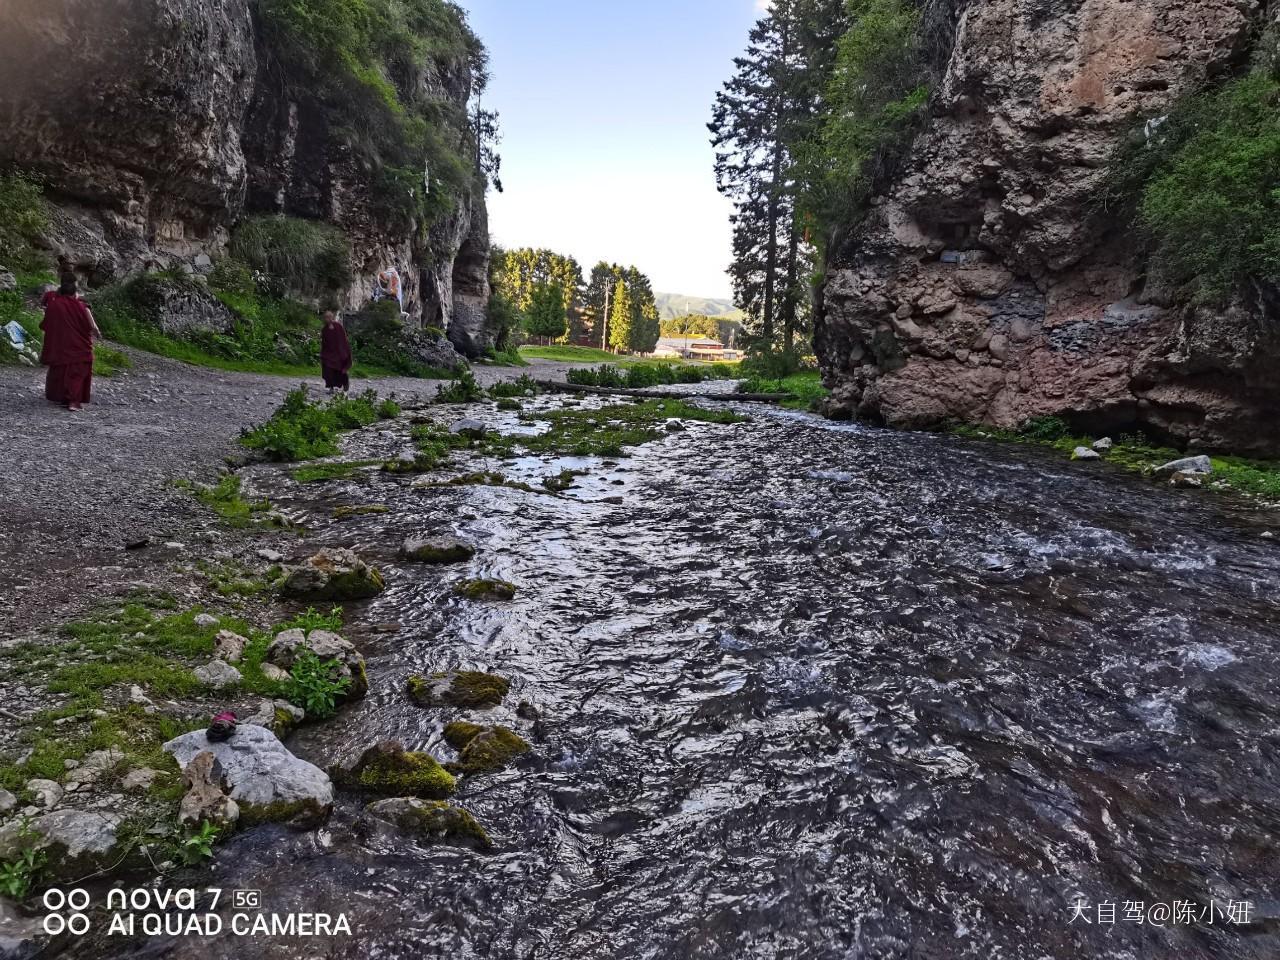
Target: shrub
x,y
315,685
462,389
23,216
303,430
1212,205
304,254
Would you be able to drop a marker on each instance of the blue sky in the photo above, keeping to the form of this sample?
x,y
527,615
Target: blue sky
x,y
604,109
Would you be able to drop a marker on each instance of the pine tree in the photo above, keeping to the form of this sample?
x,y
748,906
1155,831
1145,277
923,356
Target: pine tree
x,y
546,317
621,318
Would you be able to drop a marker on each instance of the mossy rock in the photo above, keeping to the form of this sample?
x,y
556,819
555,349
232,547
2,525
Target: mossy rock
x,y
431,821
464,689
509,403
486,590
437,550
392,771
483,749
334,574
363,510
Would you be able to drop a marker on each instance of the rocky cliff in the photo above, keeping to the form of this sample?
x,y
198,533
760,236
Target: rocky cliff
x,y
158,124
985,285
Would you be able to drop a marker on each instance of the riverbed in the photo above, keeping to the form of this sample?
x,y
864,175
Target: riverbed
x,y
807,690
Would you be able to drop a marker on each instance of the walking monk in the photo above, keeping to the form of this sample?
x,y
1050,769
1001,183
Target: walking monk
x,y
69,331
335,353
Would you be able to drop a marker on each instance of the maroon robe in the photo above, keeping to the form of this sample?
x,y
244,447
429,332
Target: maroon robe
x,y
67,349
335,355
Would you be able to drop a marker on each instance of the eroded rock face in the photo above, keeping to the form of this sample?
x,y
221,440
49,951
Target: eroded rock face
x,y
158,124
986,285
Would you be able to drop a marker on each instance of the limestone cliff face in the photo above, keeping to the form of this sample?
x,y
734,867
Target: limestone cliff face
x,y
158,124
986,285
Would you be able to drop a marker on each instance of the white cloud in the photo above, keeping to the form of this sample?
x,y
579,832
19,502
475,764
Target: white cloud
x,y
764,6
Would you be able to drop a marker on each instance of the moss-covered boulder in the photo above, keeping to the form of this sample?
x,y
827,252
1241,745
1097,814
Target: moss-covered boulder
x,y
75,843
431,821
391,770
485,590
483,749
464,689
437,550
333,574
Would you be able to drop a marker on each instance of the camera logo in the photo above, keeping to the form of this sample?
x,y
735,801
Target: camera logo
x,y
66,911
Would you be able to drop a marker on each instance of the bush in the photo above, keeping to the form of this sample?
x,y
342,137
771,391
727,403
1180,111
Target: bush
x,y
315,685
306,255
1212,204
643,375
23,216
462,389
303,430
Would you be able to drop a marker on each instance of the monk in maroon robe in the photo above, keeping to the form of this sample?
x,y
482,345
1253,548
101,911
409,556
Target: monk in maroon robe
x,y
335,353
69,330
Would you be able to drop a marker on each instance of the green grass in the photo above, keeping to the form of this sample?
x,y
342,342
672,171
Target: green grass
x,y
302,429
509,357
571,354
651,374
805,388
320,472
226,500
608,431
108,361
1134,453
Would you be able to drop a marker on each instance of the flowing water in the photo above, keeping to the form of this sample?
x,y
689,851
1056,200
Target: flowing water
x,y
814,690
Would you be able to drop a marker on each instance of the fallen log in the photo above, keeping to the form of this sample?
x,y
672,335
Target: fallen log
x,y
560,386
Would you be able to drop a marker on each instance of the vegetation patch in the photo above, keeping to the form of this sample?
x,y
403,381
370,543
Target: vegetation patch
x,y
608,431
316,685
524,386
480,479
339,470
804,389
641,375
305,430
1136,453
360,510
461,389
226,499
304,255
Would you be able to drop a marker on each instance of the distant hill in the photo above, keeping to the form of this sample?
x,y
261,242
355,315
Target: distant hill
x,y
678,305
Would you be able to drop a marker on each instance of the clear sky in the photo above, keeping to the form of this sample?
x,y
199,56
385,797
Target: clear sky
x,y
605,151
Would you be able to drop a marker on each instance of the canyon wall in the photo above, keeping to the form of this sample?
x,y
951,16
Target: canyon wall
x,y
157,125
987,285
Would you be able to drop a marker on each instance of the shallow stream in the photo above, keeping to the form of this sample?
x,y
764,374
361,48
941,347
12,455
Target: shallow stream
x,y
812,690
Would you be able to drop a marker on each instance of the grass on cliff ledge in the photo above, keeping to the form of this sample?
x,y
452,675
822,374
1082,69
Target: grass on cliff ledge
x,y
1135,453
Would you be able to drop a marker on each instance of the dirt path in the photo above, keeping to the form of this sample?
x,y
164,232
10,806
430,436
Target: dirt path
x,y
75,489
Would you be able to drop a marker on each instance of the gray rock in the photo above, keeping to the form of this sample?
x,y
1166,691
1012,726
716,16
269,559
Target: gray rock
x,y
469,428
1187,480
1200,464
288,644
272,672
1084,453
229,646
47,793
1103,445
262,776
94,767
138,781
7,801
218,674
998,346
7,280
278,716
205,621
334,574
271,556
76,842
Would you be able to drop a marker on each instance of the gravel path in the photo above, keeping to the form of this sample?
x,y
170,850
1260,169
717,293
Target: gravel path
x,y
76,488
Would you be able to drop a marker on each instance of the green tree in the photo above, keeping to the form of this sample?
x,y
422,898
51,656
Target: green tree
x,y
691,325
621,318
546,317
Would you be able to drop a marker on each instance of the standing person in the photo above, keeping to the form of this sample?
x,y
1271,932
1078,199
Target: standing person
x,y
69,332
335,353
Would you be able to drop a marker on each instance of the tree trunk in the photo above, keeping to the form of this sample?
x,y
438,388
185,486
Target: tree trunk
x,y
789,294
771,256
